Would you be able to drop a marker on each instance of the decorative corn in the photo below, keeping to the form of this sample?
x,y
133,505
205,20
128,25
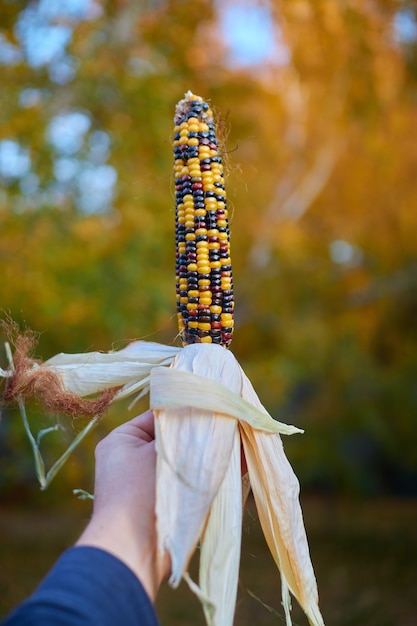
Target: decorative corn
x,y
204,284
206,410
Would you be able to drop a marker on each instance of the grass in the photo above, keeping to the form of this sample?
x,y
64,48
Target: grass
x,y
364,553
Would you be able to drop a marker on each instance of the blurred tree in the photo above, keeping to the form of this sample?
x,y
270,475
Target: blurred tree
x,y
317,104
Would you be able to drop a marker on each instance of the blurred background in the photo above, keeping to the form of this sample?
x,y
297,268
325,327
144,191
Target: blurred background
x,y
317,108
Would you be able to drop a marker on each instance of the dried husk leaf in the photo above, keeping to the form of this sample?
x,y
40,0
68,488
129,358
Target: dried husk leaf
x,y
176,388
91,372
276,491
220,548
194,449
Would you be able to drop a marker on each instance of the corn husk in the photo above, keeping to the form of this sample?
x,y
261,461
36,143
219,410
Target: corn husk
x,y
221,541
205,408
194,448
91,372
276,491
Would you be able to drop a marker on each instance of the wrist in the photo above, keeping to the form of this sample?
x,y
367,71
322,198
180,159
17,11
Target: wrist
x,y
122,538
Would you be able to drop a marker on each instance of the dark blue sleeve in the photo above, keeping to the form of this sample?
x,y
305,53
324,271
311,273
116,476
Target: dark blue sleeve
x,y
87,586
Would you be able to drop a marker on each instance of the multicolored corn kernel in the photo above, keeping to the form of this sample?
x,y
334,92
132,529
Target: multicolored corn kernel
x,y
204,282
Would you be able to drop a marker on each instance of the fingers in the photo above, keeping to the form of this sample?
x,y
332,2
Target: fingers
x,y
141,427
144,424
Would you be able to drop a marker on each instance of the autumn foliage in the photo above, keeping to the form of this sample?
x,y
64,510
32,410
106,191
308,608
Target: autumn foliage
x,y
321,179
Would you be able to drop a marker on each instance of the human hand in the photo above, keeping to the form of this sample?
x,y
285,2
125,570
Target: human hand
x,y
123,521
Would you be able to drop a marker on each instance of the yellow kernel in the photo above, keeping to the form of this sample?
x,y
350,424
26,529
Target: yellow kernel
x,y
204,269
193,293
204,282
200,212
192,324
215,264
226,317
201,231
183,300
215,309
191,306
204,326
221,223
222,236
214,246
190,237
193,141
207,339
194,171
192,267
213,232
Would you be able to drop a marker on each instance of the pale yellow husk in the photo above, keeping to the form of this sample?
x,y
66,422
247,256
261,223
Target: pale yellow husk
x,y
194,448
276,490
205,407
91,372
220,548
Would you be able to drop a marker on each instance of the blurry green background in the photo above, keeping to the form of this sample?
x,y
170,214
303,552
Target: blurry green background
x,y
317,106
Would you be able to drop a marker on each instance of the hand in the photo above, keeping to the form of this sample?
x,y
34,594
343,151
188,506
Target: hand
x,y
123,521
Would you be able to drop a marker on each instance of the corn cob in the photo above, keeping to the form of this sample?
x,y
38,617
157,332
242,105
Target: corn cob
x,y
204,284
